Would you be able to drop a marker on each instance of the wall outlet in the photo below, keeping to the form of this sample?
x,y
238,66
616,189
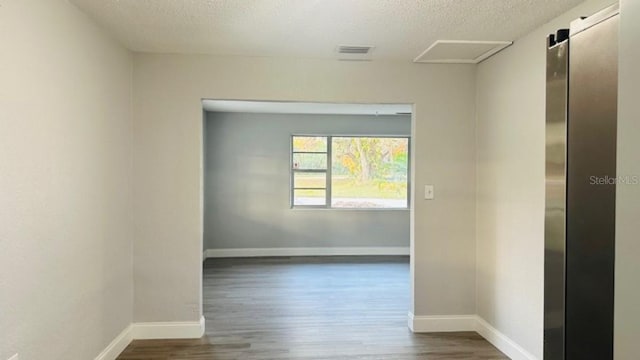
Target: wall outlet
x,y
14,357
429,192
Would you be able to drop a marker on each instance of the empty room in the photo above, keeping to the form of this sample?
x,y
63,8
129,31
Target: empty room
x,y
306,207
319,179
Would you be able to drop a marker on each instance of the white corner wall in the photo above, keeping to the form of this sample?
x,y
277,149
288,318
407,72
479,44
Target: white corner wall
x,y
510,184
168,165
66,288
627,297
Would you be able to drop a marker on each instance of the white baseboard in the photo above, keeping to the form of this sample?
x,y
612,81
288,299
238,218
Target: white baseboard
x,y
168,330
419,324
116,347
444,323
450,323
502,342
152,330
306,251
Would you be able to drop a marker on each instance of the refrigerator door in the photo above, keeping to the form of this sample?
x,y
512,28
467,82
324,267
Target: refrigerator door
x,y
591,187
554,232
581,136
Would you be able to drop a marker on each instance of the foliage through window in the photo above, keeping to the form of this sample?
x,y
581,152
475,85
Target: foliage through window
x,y
350,172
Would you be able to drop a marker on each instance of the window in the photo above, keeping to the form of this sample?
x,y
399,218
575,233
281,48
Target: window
x,y
350,172
309,170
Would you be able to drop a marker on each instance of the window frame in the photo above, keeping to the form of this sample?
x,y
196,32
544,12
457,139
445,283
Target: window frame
x,y
328,172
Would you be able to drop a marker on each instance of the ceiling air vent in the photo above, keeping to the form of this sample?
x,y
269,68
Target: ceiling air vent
x,y
348,49
460,52
354,52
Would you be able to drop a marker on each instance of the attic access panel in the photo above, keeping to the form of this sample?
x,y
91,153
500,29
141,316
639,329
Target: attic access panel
x,y
461,51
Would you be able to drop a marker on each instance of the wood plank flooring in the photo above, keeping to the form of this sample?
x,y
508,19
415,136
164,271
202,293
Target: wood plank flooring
x,y
311,308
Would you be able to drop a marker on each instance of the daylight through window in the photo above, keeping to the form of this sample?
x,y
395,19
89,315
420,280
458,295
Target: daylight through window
x,y
350,172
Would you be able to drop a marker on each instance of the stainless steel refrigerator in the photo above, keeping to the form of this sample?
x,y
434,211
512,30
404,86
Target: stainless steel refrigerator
x,y
582,82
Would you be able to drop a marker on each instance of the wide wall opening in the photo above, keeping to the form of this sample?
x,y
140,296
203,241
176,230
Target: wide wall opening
x,y
306,222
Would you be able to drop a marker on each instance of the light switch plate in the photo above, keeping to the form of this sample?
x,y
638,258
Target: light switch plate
x,y
429,192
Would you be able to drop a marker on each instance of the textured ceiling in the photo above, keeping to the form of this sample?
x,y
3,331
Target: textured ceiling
x,y
399,29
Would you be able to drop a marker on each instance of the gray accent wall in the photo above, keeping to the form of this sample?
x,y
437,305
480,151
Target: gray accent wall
x,y
247,179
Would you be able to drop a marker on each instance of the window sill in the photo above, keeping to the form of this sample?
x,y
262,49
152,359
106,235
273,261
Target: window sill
x,y
306,208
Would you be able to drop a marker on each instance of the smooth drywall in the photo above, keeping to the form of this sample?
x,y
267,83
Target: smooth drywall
x,y
65,183
511,90
247,185
168,187
627,297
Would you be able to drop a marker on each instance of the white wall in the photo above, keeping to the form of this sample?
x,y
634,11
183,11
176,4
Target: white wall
x,y
627,297
510,184
168,165
247,185
65,183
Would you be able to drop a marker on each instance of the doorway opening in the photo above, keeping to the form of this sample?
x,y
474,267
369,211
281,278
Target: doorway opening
x,y
306,221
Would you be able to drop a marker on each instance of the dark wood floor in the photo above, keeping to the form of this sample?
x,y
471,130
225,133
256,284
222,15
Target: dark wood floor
x,y
310,308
